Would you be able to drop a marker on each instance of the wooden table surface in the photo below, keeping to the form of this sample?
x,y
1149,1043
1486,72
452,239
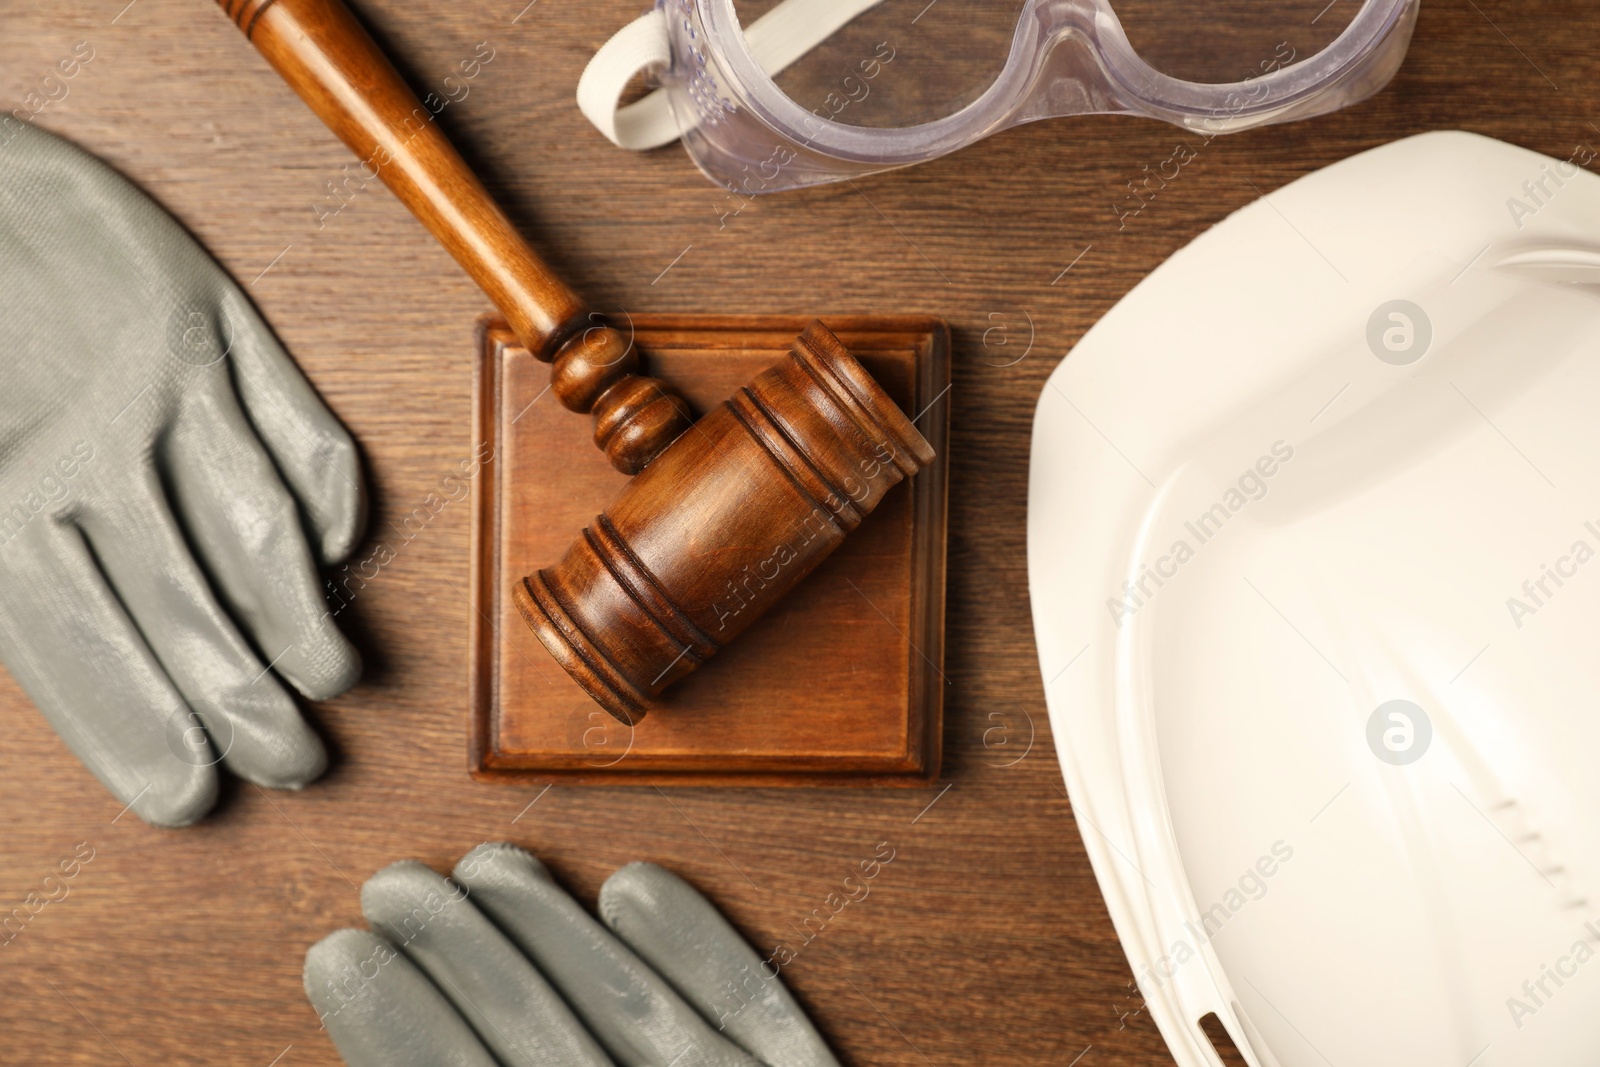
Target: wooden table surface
x,y
985,940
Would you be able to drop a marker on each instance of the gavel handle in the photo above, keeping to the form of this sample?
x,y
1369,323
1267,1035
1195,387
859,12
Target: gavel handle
x,y
325,55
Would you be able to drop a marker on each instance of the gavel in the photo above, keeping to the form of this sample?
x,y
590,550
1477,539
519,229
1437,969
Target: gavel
x,y
717,524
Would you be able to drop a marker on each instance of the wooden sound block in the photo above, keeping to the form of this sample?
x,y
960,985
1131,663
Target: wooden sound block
x,y
840,684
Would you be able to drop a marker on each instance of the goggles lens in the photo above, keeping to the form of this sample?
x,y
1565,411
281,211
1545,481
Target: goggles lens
x,y
1215,42
902,63
899,62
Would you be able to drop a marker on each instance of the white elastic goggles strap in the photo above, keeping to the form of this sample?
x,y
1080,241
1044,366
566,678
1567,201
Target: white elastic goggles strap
x,y
776,39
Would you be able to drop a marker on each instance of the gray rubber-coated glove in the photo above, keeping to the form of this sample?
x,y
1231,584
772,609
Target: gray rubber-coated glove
x,y
163,465
501,966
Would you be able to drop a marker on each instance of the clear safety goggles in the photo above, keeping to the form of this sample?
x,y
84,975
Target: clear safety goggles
x,y
768,96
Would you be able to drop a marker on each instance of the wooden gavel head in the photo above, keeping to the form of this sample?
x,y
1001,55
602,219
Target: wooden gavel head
x,y
721,524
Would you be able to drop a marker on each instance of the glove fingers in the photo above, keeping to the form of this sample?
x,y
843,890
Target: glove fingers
x,y
679,933
244,526
381,1011
251,721
315,454
70,644
629,1008
513,1009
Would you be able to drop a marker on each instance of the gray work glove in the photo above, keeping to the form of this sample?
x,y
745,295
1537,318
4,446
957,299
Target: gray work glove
x,y
501,967
162,467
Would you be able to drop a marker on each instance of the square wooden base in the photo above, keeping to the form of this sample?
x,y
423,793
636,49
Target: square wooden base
x,y
840,684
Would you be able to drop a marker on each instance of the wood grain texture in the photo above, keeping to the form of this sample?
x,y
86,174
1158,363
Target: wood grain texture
x,y
985,941
816,693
